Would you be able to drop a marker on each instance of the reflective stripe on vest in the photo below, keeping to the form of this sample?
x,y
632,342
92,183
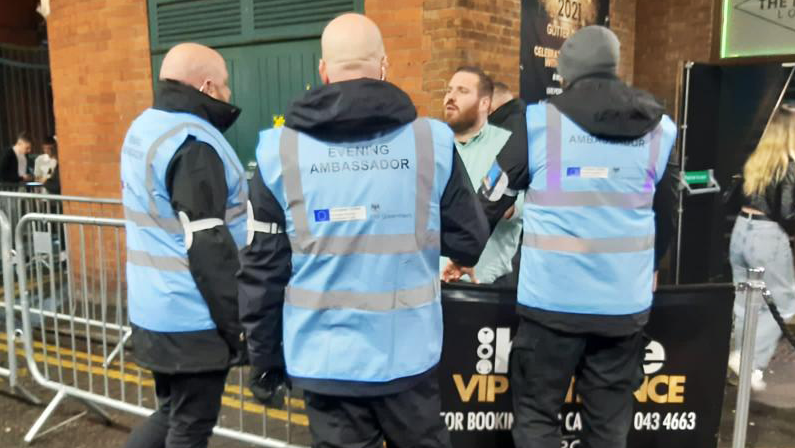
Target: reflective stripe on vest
x,y
588,245
305,243
369,301
141,258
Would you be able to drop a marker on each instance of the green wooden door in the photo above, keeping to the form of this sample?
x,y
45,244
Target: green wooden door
x,y
272,49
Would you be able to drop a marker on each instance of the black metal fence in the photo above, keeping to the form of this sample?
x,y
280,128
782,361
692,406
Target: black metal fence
x,y
25,94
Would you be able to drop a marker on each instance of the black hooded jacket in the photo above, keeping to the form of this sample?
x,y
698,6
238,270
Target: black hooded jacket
x,y
347,111
196,184
610,110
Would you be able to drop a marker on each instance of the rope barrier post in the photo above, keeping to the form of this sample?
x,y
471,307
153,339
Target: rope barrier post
x,y
753,303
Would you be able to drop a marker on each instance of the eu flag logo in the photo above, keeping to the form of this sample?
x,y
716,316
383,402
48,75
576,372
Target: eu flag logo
x,y
322,215
573,171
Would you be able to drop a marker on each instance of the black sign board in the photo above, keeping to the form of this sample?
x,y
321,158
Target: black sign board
x,y
678,405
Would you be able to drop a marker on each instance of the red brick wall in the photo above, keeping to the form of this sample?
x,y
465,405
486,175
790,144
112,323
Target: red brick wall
x,y
101,76
670,32
427,40
406,43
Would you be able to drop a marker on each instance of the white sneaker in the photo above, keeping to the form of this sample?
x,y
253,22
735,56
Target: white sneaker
x,y
758,383
734,362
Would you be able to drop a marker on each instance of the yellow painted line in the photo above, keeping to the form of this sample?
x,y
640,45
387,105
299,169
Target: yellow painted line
x,y
65,352
66,364
278,414
298,419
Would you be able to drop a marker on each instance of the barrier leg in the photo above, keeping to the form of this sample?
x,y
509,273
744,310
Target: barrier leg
x,y
45,415
12,332
98,411
753,303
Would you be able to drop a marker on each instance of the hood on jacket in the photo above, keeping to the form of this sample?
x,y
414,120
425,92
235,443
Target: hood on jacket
x,y
174,96
499,117
351,110
609,109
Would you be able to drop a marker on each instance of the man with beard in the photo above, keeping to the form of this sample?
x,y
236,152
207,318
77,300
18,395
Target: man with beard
x,y
466,109
344,249
598,217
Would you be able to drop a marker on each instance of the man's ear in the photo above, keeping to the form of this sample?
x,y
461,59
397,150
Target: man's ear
x,y
485,103
322,69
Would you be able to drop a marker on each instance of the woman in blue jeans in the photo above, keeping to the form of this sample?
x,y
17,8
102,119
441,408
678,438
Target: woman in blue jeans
x,y
760,237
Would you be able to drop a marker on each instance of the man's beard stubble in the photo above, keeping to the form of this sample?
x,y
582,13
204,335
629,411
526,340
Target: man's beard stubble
x,y
465,121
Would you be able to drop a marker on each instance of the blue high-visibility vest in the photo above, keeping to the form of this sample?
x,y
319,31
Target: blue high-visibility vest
x,y
588,244
161,293
364,300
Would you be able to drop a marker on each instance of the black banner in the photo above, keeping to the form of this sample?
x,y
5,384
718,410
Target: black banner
x,y
546,24
678,405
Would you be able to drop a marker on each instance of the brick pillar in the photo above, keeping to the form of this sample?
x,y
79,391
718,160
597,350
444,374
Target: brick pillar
x,y
101,76
427,40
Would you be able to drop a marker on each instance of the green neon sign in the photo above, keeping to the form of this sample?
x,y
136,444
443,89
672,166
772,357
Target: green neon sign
x,y
757,28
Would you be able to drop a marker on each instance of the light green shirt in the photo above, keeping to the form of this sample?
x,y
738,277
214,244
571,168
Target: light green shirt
x,y
478,155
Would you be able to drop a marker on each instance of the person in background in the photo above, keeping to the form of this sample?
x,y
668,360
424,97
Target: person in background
x,y
761,238
46,163
466,108
504,104
14,162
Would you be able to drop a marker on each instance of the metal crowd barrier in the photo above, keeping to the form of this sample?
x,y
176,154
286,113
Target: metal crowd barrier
x,y
15,201
75,330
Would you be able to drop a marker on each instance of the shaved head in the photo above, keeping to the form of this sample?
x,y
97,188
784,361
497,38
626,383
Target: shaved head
x,y
352,49
197,66
502,94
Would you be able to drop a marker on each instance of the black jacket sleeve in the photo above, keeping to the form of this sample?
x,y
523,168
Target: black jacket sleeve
x,y
53,184
464,226
666,198
509,176
9,167
197,186
265,272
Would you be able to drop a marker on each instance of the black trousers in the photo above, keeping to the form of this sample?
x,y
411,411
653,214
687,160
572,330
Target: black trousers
x,y
189,408
607,370
409,419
